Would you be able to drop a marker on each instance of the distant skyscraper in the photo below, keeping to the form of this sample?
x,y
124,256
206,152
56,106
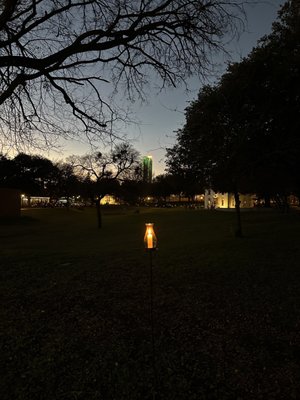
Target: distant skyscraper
x,y
147,169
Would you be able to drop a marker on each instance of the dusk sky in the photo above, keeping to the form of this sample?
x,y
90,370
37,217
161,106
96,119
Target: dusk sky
x,y
164,112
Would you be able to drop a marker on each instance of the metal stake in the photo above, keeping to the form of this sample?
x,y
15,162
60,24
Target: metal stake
x,y
152,326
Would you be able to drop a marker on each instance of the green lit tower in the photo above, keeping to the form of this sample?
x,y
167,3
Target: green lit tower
x,y
147,169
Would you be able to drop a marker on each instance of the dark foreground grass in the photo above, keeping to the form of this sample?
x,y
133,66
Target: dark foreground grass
x,y
75,320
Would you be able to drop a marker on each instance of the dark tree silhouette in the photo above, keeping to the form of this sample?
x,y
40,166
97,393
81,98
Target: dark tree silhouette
x,y
33,174
104,170
7,172
242,135
64,182
60,61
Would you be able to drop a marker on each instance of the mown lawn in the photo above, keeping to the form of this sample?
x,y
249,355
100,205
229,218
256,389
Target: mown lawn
x,y
75,321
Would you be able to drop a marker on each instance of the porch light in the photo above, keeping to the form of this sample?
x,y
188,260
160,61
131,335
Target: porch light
x,y
150,239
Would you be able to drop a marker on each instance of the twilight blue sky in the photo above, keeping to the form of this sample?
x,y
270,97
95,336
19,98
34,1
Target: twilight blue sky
x,y
164,112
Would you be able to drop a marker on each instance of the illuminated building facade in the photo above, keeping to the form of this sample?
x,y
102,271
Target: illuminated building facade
x,y
214,200
147,169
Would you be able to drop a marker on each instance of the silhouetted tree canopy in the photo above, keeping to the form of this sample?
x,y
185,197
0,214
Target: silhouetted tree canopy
x,y
64,182
62,61
89,177
242,135
32,174
106,170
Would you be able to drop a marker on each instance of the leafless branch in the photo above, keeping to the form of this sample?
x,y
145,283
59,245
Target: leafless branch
x,y
67,58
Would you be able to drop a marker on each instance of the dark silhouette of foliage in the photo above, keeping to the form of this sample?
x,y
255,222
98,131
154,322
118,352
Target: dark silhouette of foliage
x,y
105,170
33,174
242,135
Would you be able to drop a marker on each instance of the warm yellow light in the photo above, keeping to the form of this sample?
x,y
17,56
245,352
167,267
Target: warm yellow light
x,y
150,240
150,237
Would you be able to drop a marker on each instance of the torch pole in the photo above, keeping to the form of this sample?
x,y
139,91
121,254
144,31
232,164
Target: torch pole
x,y
152,325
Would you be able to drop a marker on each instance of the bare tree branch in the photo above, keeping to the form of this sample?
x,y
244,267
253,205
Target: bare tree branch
x,y
64,59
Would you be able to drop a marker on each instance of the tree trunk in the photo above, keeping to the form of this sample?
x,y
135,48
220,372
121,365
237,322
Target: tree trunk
x,y
68,203
286,204
238,232
99,215
267,199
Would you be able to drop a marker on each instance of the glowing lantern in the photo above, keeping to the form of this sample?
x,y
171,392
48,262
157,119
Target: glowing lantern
x,y
150,237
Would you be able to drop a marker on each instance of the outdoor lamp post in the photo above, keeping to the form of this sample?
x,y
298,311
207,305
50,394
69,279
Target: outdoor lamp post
x,y
150,239
150,242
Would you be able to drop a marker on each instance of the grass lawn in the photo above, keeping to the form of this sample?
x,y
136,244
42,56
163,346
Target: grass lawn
x,y
75,320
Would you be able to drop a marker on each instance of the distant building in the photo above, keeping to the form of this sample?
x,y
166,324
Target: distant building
x,y
226,200
34,201
110,200
147,169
